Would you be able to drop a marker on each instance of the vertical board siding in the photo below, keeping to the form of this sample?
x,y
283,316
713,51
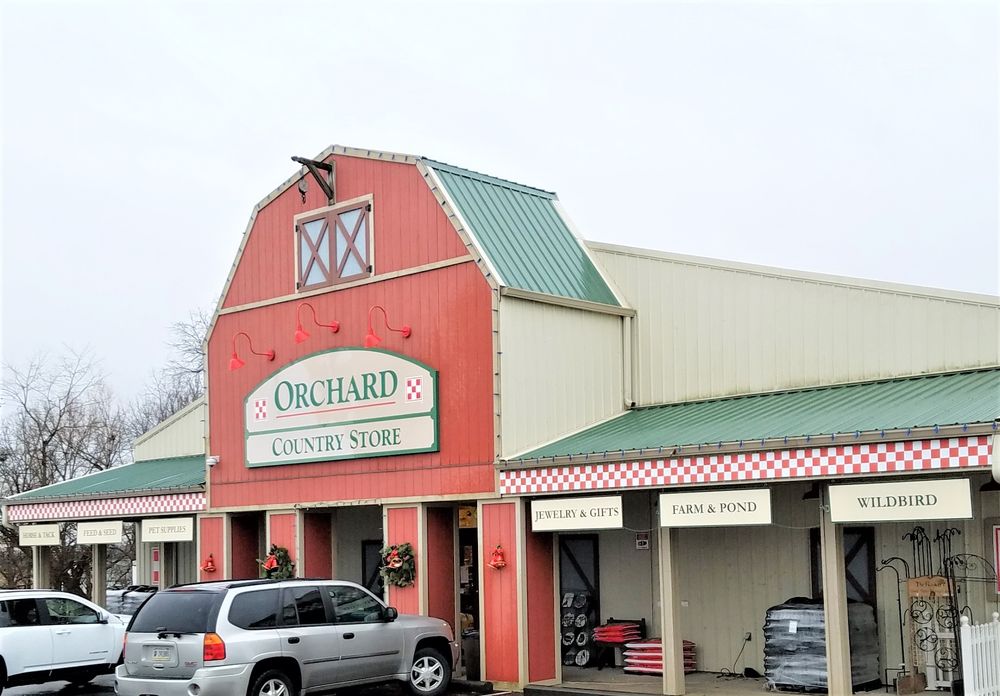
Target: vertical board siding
x,y
542,637
730,576
317,561
499,593
450,312
707,329
409,228
244,546
441,564
211,536
403,526
182,438
284,532
560,370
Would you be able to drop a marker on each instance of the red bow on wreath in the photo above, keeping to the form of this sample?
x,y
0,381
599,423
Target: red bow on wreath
x,y
393,560
270,563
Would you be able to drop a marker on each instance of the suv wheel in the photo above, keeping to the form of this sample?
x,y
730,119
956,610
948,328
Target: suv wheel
x,y
430,673
271,683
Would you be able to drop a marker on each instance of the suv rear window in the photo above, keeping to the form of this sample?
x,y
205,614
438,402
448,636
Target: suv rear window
x,y
185,611
255,609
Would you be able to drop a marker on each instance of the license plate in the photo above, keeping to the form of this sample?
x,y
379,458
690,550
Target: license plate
x,y
161,654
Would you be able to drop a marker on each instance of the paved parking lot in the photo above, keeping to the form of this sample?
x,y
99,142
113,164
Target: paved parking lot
x,y
105,685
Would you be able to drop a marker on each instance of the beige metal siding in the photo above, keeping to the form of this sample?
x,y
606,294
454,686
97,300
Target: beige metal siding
x,y
706,329
182,437
731,576
560,370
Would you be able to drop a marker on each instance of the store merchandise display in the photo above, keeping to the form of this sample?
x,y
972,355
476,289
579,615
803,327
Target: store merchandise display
x,y
577,621
646,657
795,646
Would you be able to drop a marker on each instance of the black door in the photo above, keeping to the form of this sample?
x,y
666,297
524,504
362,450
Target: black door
x,y
579,592
859,564
371,563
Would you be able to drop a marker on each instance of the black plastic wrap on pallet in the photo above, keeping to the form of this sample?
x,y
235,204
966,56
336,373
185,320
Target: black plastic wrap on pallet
x,y
795,645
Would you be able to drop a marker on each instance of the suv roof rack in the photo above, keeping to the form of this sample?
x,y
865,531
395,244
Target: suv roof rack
x,y
248,582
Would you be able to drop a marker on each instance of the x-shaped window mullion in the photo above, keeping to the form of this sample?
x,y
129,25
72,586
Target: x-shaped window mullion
x,y
314,255
352,247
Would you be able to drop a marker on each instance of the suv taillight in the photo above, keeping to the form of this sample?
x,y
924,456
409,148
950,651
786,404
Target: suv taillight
x,y
215,649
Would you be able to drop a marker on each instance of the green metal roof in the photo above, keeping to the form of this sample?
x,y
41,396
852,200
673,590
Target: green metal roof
x,y
152,476
918,402
520,231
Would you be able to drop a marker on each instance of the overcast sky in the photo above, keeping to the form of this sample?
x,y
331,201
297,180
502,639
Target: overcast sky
x,y
849,138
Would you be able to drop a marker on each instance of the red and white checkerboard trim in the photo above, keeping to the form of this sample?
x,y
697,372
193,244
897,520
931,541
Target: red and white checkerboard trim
x,y
260,409
844,460
107,507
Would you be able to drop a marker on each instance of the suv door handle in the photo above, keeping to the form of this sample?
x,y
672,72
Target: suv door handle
x,y
62,633
293,640
348,636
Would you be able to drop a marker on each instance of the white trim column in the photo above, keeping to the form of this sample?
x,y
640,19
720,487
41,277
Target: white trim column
x,y
838,645
673,654
40,576
99,574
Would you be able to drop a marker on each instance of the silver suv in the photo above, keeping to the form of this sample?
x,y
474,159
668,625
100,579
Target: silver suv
x,y
278,638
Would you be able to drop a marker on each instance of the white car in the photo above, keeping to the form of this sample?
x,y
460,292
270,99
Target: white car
x,y
50,636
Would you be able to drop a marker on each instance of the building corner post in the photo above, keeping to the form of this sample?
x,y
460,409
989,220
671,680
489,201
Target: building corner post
x,y
838,646
673,657
99,574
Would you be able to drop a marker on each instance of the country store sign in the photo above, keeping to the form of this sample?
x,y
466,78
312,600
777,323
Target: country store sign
x,y
342,404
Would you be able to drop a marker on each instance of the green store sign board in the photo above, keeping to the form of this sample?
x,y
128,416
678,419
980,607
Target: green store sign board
x,y
342,404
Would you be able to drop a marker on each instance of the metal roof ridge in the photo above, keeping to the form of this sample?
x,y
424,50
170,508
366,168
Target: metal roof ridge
x,y
170,420
794,273
816,388
488,178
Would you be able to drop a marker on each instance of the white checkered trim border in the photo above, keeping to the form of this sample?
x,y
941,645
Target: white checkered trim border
x,y
107,507
843,460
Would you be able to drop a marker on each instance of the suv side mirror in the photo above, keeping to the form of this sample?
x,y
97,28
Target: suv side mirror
x,y
390,614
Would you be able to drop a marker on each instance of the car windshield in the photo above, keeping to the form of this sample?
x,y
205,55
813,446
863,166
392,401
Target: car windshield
x,y
179,611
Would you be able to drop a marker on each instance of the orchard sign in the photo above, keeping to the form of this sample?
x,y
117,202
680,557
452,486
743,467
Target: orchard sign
x,y
342,404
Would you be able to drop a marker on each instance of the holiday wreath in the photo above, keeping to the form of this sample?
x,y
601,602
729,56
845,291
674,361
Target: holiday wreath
x,y
278,564
398,566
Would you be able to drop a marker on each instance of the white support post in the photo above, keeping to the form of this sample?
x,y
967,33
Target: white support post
x,y
673,647
99,574
40,577
838,644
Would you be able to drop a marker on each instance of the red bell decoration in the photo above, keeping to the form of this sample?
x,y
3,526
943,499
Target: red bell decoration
x,y
497,561
209,565
271,562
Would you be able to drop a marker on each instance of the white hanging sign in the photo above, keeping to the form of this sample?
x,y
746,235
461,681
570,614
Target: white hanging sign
x,y
168,529
38,535
106,532
573,514
926,499
722,508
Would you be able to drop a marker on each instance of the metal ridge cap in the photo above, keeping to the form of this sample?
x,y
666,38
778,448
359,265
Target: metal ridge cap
x,y
488,178
755,445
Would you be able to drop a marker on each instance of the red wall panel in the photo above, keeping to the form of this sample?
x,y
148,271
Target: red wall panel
x,y
316,546
411,228
211,535
499,591
541,606
450,312
441,564
402,526
283,533
244,546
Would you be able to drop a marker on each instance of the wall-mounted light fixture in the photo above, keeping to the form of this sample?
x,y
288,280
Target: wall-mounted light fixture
x,y
235,363
300,333
372,339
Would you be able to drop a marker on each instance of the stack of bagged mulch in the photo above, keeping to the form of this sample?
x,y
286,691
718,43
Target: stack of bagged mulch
x,y
646,657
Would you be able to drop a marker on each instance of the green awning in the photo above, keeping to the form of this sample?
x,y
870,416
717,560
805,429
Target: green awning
x,y
963,398
150,477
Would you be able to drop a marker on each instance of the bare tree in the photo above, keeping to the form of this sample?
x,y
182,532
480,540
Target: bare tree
x,y
60,422
187,340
